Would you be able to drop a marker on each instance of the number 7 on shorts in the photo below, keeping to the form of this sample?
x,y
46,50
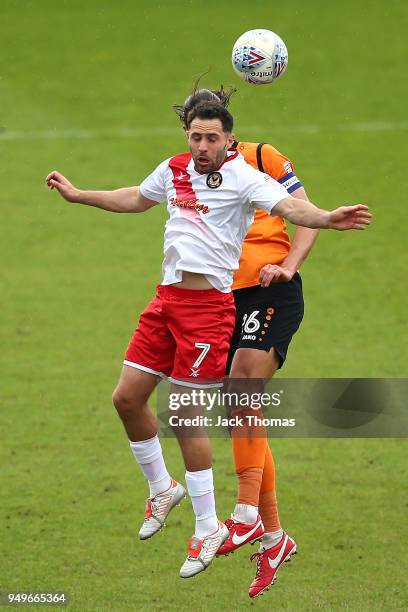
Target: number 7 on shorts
x,y
200,358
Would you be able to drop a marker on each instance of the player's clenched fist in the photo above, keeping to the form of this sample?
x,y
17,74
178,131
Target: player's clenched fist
x,y
350,217
55,180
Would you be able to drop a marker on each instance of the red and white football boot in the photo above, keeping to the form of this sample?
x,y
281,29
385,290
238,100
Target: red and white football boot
x,y
240,534
268,561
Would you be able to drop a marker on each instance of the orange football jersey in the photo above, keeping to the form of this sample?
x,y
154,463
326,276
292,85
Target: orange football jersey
x,y
267,240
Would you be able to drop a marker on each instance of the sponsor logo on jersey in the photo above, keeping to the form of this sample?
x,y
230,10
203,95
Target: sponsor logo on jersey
x,y
214,180
192,204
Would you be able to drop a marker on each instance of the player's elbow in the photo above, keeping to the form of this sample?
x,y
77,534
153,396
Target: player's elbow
x,y
302,212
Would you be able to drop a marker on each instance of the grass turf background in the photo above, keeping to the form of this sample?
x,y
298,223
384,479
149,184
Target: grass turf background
x,y
75,80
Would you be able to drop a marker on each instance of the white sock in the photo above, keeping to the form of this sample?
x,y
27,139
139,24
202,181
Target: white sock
x,y
244,513
271,538
200,486
148,454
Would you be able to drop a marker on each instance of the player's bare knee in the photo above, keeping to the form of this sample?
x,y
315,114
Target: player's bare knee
x,y
255,364
243,371
122,401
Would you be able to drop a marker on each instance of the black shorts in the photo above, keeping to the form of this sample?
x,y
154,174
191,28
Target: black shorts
x,y
267,317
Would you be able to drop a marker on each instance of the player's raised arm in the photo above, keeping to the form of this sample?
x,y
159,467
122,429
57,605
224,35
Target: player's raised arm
x,y
125,200
302,212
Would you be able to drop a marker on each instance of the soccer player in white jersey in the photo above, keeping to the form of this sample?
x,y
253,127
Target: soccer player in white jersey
x,y
184,333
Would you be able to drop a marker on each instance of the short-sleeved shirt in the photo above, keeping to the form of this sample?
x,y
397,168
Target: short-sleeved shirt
x,y
267,240
209,214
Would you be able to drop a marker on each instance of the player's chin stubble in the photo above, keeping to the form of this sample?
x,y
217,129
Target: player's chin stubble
x,y
211,167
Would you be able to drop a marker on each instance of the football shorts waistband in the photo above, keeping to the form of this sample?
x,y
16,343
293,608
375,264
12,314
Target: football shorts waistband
x,y
170,291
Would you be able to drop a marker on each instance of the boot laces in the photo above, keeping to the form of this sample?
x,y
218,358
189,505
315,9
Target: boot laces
x,y
258,556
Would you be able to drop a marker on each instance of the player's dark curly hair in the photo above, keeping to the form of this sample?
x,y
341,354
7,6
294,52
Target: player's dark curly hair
x,y
210,109
222,96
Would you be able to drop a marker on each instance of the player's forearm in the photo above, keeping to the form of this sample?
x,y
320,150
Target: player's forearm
x,y
124,200
302,212
302,243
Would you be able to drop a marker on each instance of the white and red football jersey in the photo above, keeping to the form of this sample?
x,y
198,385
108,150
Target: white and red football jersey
x,y
209,214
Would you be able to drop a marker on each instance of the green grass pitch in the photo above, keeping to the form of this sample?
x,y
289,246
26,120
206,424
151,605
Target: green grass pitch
x,y
87,88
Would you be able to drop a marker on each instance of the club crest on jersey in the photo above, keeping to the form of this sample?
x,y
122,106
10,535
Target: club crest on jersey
x,y
214,180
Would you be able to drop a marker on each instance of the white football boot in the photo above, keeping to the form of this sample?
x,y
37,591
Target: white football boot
x,y
158,508
202,552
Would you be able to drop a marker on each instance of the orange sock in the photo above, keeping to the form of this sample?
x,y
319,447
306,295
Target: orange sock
x,y
249,455
268,503
249,485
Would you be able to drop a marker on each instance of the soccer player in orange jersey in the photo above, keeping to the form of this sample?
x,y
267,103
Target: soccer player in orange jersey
x,y
268,296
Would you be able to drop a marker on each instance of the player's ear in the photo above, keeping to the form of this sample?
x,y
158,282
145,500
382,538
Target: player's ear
x,y
231,139
185,130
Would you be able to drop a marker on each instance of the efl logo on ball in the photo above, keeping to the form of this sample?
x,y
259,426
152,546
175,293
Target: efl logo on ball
x,y
259,57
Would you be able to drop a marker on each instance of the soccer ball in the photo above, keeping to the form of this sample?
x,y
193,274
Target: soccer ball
x,y
259,57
